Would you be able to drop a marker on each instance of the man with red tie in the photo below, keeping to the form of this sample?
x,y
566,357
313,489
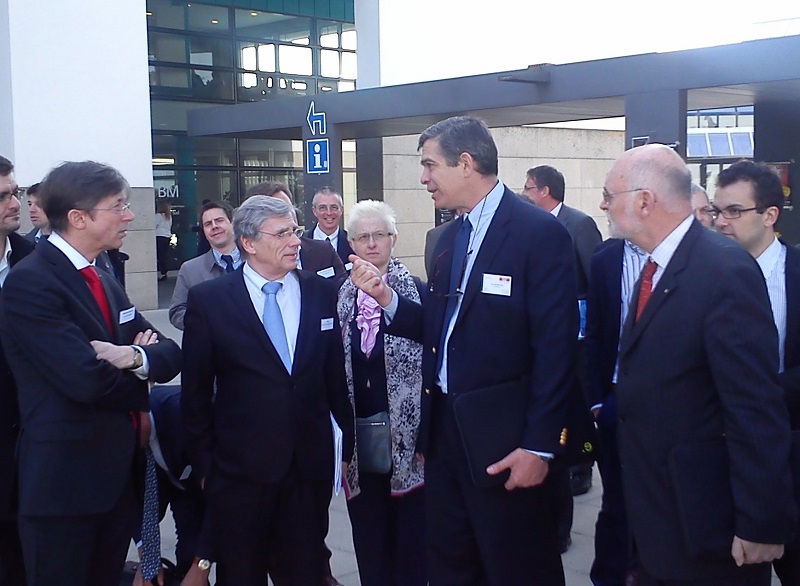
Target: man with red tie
x,y
82,356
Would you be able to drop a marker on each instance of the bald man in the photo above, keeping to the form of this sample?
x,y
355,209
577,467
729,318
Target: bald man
x,y
700,411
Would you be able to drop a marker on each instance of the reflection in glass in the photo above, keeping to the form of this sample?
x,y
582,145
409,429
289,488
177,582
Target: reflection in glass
x,y
349,38
330,40
295,60
329,63
349,66
176,48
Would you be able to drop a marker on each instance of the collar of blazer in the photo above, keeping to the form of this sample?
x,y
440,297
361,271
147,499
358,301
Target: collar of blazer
x,y
666,285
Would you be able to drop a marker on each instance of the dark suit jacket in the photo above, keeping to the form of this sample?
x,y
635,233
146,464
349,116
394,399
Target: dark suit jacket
x,y
316,256
263,418
602,319
431,240
9,410
532,333
585,238
790,377
700,365
343,248
77,440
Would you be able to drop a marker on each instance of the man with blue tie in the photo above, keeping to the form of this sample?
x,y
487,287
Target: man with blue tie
x,y
223,257
499,327
264,372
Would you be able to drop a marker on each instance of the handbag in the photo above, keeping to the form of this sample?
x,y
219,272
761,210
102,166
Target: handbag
x,y
374,443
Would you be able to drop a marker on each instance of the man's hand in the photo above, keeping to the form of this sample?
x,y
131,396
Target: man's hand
x,y
120,357
367,277
527,469
145,338
138,580
747,552
195,576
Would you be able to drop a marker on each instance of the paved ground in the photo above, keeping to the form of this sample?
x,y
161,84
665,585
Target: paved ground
x,y
577,560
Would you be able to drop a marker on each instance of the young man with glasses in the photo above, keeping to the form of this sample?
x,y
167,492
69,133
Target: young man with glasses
x,y
747,205
327,207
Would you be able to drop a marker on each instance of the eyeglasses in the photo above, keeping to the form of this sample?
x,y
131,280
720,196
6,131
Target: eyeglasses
x,y
607,197
378,237
284,234
529,188
6,195
733,212
328,208
117,209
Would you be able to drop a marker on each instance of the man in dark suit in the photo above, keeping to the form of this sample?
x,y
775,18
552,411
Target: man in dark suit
x,y
223,257
615,270
41,225
747,204
82,356
13,248
268,339
315,256
431,240
692,379
327,207
516,322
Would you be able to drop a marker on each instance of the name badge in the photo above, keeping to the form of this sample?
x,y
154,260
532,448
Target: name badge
x,y
326,273
496,285
348,266
127,315
326,324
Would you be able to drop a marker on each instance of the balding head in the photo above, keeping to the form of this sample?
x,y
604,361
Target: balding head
x,y
647,194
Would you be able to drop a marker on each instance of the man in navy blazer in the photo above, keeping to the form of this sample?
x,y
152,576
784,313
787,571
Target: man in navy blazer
x,y
747,205
697,371
261,379
82,362
327,207
516,321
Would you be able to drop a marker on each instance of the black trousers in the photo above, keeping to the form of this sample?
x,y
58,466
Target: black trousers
x,y
254,523
12,567
788,567
85,550
753,575
388,534
480,536
162,254
612,557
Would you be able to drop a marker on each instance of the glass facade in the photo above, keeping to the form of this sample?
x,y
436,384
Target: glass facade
x,y
203,55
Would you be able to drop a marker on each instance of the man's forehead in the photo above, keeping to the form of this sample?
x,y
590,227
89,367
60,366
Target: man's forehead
x,y
214,214
7,181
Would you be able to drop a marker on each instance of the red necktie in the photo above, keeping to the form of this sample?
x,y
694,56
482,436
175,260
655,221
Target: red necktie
x,y
646,288
96,287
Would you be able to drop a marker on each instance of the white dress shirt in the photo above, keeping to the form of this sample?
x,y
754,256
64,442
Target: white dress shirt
x,y
5,262
288,298
773,266
333,239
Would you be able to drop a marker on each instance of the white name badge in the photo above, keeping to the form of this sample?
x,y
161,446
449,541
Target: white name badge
x,y
326,324
127,315
326,273
348,266
496,285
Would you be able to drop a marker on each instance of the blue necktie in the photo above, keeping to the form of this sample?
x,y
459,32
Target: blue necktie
x,y
228,260
456,274
273,323
151,534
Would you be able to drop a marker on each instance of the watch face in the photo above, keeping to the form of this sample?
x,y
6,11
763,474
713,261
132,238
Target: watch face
x,y
204,565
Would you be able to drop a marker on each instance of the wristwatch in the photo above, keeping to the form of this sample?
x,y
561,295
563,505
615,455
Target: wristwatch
x,y
204,564
138,359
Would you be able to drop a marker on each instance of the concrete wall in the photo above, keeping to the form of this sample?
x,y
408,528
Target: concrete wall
x,y
583,156
74,86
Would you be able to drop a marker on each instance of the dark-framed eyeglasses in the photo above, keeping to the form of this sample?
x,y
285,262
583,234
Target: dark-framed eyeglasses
x,y
607,197
283,234
733,212
437,269
6,195
379,237
334,207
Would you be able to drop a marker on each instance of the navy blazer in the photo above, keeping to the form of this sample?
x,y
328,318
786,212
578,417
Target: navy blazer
x,y
790,377
77,440
531,333
262,418
343,248
699,365
9,410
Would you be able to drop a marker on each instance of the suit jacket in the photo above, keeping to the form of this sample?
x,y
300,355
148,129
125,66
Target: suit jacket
x,y
320,257
196,270
700,365
496,339
790,377
585,238
262,418
343,248
165,405
431,240
31,236
77,440
602,319
9,410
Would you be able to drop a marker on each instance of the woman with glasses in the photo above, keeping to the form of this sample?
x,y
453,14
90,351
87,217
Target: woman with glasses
x,y
384,376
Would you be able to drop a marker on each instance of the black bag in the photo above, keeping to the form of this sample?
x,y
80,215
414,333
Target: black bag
x,y
171,577
374,443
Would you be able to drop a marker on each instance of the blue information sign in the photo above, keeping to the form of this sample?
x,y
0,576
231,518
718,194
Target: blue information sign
x,y
317,160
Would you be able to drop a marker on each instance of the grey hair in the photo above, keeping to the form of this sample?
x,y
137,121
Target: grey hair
x,y
698,189
369,208
327,191
463,134
251,215
667,175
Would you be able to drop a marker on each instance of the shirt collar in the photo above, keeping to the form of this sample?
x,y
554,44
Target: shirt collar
x,y
768,259
557,209
662,253
257,280
235,255
484,210
76,258
320,235
7,255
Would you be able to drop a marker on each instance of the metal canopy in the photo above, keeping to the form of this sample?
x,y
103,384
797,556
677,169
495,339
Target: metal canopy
x,y
714,77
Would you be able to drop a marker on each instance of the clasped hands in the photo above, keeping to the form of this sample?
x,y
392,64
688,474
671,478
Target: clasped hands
x,y
121,357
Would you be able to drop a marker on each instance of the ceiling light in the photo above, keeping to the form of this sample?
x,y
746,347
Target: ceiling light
x,y
214,21
148,13
254,14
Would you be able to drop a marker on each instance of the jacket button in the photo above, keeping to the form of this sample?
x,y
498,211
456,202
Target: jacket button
x,y
427,391
433,349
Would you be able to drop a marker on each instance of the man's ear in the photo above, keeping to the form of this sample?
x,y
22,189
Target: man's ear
x,y
247,245
77,218
771,215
